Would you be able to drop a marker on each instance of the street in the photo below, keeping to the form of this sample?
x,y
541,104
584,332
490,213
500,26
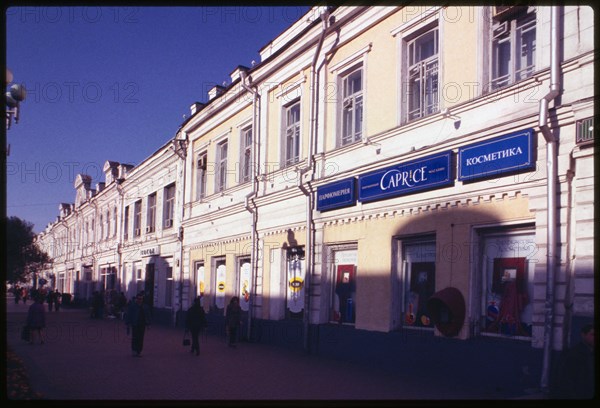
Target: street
x,y
85,359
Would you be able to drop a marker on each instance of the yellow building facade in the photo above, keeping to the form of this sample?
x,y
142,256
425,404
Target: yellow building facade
x,y
384,170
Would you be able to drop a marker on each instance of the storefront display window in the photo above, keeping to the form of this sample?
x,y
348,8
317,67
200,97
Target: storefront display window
x,y
220,282
507,282
295,282
343,308
200,280
418,280
244,280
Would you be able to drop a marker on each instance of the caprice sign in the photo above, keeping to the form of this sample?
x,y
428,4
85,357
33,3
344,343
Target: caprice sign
x,y
429,172
503,154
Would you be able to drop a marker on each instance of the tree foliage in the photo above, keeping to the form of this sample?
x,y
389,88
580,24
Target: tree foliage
x,y
23,256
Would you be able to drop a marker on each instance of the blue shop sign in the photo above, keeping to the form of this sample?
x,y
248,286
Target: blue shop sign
x,y
336,195
503,154
429,172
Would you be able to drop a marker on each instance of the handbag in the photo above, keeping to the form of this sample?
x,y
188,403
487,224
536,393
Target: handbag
x,y
186,341
26,333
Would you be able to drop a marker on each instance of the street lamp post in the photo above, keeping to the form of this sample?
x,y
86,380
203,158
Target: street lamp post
x,y
14,96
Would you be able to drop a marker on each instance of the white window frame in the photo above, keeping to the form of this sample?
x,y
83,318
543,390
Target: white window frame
x,y
424,70
137,218
246,132
107,235
221,166
151,213
508,30
114,221
342,69
350,101
429,18
201,175
126,224
291,154
168,206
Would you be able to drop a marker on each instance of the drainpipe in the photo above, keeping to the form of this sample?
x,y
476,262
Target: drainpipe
x,y
180,148
252,89
551,187
121,234
308,173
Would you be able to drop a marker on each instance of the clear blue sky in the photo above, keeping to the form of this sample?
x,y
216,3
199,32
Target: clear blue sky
x,y
113,84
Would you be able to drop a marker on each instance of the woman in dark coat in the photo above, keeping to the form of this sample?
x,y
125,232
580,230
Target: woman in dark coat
x,y
36,319
194,322
233,318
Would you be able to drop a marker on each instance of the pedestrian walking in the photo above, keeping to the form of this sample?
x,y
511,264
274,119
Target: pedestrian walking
x,y
36,319
24,295
137,319
57,300
17,293
195,321
233,319
50,300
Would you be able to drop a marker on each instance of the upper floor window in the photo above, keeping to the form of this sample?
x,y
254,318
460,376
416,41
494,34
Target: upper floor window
x,y
151,213
101,227
107,224
137,218
114,221
221,170
422,60
352,107
126,223
201,165
513,46
292,133
169,206
246,155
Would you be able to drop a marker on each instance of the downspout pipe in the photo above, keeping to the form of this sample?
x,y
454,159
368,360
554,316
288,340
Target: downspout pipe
x,y
252,90
123,284
307,175
182,153
552,201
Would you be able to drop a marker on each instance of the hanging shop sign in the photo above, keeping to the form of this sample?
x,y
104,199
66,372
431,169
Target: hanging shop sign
x,y
406,178
504,154
336,195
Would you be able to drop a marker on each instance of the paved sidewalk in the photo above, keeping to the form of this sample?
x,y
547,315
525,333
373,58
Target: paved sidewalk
x,y
85,359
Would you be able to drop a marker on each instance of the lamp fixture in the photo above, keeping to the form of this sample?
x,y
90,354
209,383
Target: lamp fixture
x,y
13,98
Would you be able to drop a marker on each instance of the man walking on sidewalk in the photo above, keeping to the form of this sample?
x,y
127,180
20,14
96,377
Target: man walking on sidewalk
x,y
138,317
